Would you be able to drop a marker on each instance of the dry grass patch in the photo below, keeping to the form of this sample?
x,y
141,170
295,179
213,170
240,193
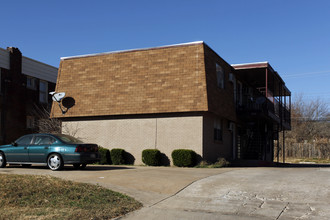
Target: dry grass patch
x,y
304,160
45,197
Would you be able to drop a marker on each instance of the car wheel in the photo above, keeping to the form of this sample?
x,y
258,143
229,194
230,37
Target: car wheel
x,y
76,165
55,162
83,166
2,160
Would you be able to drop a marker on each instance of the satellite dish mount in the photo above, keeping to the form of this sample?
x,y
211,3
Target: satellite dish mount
x,y
64,103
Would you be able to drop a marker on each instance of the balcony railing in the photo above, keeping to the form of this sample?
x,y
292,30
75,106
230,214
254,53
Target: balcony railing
x,y
259,105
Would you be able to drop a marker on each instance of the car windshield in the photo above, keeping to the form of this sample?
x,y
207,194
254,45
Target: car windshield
x,y
69,139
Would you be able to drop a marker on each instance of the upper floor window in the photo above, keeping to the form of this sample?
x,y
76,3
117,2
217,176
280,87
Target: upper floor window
x,y
220,76
31,83
43,91
239,93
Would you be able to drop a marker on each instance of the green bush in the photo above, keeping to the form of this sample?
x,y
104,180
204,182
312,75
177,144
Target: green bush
x,y
118,156
184,158
151,157
105,155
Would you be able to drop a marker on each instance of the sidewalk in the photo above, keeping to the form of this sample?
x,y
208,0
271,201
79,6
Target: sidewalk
x,y
148,185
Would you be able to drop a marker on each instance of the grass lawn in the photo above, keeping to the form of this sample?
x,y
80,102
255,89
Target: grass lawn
x,y
45,197
304,160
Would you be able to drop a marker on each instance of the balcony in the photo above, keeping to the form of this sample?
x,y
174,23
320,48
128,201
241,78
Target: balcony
x,y
262,93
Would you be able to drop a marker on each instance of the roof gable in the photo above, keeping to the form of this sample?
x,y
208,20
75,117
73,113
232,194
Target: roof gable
x,y
155,80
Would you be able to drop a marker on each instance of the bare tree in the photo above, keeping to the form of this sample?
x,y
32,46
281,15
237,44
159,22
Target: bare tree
x,y
71,129
45,124
310,120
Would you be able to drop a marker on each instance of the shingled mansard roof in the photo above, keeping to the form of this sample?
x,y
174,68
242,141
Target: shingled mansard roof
x,y
143,81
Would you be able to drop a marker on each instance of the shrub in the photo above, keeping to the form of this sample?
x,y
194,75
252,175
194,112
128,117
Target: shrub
x,y
221,162
184,157
203,164
151,157
117,156
105,156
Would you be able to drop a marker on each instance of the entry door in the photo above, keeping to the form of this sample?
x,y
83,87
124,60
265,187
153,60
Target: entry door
x,y
234,145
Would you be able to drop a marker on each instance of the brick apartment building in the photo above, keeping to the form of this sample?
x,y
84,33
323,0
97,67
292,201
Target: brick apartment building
x,y
24,86
174,97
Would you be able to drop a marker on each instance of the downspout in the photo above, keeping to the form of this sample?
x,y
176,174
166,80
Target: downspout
x,y
278,144
156,132
283,146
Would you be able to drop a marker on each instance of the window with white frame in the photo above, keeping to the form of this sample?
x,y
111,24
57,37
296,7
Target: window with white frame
x,y
220,76
31,83
217,130
43,91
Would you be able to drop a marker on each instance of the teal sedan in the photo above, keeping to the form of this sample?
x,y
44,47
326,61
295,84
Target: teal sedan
x,y
53,150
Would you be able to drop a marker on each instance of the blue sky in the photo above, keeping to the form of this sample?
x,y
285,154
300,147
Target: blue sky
x,y
293,35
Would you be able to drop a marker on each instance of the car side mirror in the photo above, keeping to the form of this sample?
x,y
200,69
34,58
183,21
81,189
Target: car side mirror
x,y
14,144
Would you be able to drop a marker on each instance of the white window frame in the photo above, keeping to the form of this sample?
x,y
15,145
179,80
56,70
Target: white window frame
x,y
43,95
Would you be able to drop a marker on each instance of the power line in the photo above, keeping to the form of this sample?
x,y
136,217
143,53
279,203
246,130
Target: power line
x,y
298,75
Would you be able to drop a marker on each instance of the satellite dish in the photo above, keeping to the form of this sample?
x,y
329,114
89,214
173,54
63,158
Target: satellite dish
x,y
57,97
68,102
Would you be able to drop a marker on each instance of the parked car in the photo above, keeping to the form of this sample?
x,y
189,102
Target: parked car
x,y
53,150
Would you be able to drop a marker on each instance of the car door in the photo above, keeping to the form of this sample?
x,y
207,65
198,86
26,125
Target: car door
x,y
19,151
39,148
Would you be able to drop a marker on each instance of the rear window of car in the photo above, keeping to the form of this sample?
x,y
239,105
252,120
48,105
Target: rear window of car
x,y
69,139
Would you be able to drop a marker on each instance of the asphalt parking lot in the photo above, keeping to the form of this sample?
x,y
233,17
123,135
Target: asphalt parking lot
x,y
226,193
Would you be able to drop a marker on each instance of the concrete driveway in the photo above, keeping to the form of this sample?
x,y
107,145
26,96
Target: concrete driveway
x,y
227,193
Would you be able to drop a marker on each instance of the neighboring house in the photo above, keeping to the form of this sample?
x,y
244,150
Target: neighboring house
x,y
24,87
173,97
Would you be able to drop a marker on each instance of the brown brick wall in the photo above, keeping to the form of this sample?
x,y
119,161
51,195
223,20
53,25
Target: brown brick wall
x,y
220,101
158,80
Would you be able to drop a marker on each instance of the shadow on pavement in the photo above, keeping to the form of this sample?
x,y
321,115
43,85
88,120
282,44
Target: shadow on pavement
x,y
71,168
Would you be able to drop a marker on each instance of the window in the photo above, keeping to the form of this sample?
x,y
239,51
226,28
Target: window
x,y
217,130
31,83
43,140
220,76
43,92
25,140
239,93
30,122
